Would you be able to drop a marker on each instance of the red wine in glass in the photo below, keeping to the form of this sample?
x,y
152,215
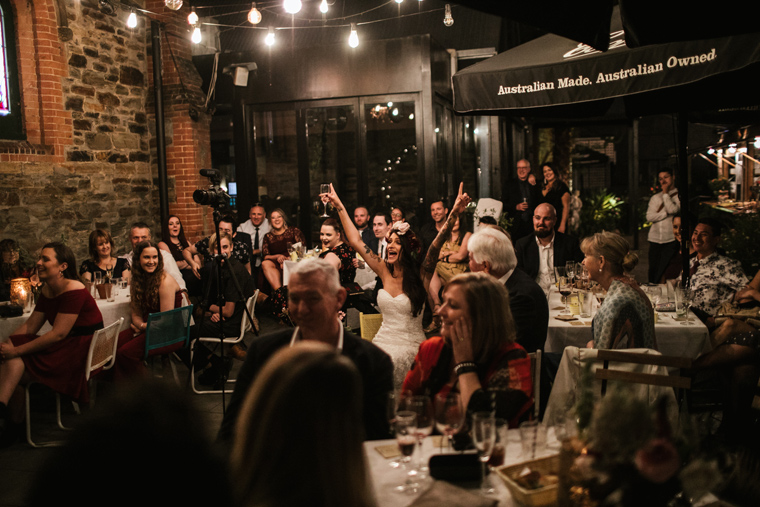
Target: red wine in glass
x,y
497,455
406,444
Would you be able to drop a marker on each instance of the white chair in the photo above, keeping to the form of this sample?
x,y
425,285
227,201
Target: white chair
x,y
245,326
101,356
487,207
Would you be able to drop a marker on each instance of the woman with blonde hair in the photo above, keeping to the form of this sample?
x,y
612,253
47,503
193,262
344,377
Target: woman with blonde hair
x,y
626,318
298,439
476,355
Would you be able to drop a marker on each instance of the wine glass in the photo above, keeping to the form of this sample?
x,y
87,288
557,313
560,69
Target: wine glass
x,y
565,288
448,415
392,404
406,438
570,270
421,406
484,438
324,188
582,272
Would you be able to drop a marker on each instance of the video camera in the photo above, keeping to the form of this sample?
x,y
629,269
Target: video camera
x,y
214,196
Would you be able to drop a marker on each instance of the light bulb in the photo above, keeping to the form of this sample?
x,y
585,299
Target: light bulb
x,y
132,20
196,38
269,39
192,18
710,151
757,142
254,16
292,6
448,19
323,7
174,5
353,39
732,149
399,1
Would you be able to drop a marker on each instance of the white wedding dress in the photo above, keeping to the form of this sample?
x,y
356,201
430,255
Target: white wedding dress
x,y
400,334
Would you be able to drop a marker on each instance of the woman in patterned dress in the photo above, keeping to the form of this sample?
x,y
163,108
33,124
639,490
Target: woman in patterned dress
x,y
626,318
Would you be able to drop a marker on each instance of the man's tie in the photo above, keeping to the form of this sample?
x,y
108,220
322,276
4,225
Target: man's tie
x,y
256,240
382,251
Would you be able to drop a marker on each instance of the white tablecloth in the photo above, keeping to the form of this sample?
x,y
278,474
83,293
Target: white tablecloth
x,y
673,339
111,312
384,478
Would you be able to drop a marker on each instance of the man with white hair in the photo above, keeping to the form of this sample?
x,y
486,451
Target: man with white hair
x,y
314,298
491,251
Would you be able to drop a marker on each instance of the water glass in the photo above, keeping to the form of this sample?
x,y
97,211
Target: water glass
x,y
110,291
499,453
533,437
484,438
680,302
406,437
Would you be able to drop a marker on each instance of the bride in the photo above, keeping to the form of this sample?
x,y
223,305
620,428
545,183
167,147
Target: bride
x,y
402,298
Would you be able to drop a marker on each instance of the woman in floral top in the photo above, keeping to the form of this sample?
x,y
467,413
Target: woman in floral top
x,y
626,318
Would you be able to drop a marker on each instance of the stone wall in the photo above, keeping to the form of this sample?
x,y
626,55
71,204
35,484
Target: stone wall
x,y
89,158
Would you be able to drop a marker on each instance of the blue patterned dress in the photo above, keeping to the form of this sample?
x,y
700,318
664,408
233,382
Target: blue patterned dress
x,y
625,320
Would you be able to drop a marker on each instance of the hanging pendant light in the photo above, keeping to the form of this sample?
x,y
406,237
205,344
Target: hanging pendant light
x,y
292,6
196,37
323,7
192,18
254,16
132,20
448,19
353,39
269,39
174,5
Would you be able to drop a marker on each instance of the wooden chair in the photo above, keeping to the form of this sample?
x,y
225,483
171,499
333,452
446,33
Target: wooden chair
x,y
677,382
101,356
370,324
168,331
245,326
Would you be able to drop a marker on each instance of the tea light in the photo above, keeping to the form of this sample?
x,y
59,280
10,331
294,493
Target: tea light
x,y
20,288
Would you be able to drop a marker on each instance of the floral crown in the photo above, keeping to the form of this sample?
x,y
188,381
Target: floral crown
x,y
399,228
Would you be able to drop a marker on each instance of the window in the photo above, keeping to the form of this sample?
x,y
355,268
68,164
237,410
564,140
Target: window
x,y
10,101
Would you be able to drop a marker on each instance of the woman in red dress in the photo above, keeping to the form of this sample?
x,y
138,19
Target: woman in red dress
x,y
56,358
275,247
152,290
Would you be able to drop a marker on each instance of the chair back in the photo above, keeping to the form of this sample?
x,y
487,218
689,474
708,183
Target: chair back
x,y
245,324
370,324
606,373
535,376
102,353
168,328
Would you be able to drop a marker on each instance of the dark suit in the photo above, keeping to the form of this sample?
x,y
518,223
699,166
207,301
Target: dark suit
x,y
427,234
368,236
566,248
530,310
374,365
522,221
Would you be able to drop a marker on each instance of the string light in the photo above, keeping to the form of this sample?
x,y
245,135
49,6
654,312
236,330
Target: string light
x,y
132,20
353,39
292,6
174,5
732,148
196,37
269,39
399,1
757,142
448,19
192,18
254,17
323,7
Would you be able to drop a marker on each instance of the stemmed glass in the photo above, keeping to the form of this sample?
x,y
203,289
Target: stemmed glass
x,y
324,188
421,406
565,288
392,405
484,438
688,300
448,415
570,270
406,438
582,272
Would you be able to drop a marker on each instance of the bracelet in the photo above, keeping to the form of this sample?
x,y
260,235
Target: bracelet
x,y
465,367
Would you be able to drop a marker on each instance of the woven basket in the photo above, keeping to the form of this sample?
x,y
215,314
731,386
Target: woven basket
x,y
532,497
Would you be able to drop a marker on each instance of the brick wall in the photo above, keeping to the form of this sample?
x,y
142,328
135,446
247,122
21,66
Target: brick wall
x,y
89,157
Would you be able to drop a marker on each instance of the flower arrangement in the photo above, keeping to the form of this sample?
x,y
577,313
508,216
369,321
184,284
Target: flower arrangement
x,y
719,184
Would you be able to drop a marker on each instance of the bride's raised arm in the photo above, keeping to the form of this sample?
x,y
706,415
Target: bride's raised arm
x,y
352,234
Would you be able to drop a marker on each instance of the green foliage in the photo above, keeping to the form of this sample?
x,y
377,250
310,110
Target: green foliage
x,y
742,242
601,211
718,184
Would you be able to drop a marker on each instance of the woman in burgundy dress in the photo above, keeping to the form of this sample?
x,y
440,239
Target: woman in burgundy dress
x,y
275,247
57,357
336,251
152,290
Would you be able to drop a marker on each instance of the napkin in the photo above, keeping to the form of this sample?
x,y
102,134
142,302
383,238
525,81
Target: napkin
x,y
443,493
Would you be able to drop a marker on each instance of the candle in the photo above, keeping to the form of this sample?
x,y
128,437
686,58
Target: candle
x,y
20,288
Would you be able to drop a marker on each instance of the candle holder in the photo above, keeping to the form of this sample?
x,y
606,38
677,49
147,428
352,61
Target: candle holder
x,y
20,289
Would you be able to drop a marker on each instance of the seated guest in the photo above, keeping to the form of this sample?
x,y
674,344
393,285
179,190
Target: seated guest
x,y
539,253
300,425
139,232
152,290
175,242
476,355
12,267
101,259
428,232
241,245
275,247
57,357
398,215
230,315
336,251
256,227
713,278
453,260
364,226
626,318
491,251
315,297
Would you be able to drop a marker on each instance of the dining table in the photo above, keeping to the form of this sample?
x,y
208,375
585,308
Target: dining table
x,y
675,336
385,478
111,311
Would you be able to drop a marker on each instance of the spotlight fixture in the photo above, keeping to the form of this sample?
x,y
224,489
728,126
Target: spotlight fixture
x,y
192,18
174,5
254,16
353,39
